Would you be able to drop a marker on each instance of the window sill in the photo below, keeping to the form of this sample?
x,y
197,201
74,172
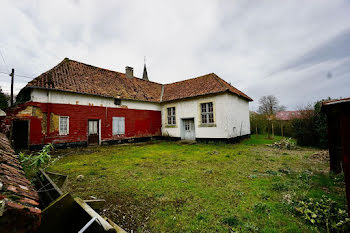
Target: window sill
x,y
207,125
171,126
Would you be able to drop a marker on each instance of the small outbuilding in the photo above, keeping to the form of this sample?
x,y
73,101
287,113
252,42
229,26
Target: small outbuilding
x,y
338,120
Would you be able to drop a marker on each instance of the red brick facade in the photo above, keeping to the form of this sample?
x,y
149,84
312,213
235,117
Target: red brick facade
x,y
43,125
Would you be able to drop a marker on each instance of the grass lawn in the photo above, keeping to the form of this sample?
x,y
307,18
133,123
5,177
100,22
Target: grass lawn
x,y
169,187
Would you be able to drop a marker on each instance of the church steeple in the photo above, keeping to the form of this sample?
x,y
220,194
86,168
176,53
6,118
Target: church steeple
x,y
145,75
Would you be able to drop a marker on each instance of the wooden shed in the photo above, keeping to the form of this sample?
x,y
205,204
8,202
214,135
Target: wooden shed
x,y
338,120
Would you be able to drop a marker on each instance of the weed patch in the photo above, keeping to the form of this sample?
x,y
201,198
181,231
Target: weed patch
x,y
214,187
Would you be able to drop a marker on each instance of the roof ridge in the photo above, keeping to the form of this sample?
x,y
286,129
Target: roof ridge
x,y
105,69
219,80
190,78
68,59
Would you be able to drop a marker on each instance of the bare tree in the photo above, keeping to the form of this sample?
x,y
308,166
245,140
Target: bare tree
x,y
281,108
269,106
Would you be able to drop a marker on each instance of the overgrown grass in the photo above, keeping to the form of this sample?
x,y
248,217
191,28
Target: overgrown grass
x,y
261,139
168,187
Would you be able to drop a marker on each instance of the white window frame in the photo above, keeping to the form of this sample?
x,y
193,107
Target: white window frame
x,y
207,113
118,130
59,126
172,116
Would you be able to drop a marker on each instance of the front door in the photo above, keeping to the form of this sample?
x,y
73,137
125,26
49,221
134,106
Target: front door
x,y
20,134
188,129
93,132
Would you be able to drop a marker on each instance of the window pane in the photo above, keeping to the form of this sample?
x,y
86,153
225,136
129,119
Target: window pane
x,y
169,120
90,127
171,116
93,127
211,118
63,125
204,118
203,108
210,106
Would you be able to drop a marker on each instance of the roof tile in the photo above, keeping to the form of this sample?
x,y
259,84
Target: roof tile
x,y
203,85
20,198
73,76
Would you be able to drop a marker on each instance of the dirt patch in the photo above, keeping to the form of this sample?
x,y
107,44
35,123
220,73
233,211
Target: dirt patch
x,y
129,212
321,156
74,151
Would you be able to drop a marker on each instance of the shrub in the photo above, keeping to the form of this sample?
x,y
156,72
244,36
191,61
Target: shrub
x,y
323,213
311,130
32,163
284,144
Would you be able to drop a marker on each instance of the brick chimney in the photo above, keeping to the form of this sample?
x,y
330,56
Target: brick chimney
x,y
129,71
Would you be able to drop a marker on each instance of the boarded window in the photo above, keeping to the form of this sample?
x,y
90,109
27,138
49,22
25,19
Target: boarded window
x,y
118,125
171,116
64,125
207,113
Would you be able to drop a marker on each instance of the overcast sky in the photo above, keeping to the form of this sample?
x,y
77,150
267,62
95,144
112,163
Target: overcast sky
x,y
298,51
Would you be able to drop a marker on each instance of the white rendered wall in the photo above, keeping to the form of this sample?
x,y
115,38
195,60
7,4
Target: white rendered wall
x,y
230,113
46,96
237,116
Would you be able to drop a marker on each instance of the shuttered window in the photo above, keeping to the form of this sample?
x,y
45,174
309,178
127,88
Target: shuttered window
x,y
118,125
64,125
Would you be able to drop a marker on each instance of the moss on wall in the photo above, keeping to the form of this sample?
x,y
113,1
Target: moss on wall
x,y
54,122
28,111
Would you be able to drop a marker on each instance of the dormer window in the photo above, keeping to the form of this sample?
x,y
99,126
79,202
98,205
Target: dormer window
x,y
117,101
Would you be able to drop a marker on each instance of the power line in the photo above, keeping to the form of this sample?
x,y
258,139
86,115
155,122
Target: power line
x,y
3,59
18,75
23,76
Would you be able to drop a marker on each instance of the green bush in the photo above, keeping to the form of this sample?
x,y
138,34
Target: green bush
x,y
311,130
32,163
323,213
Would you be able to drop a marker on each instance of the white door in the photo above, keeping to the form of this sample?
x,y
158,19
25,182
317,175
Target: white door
x,y
188,128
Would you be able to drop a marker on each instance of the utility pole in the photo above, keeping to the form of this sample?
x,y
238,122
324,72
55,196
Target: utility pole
x,y
12,77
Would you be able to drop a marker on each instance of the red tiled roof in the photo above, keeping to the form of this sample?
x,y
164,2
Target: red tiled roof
x,y
203,85
78,77
336,101
17,194
289,115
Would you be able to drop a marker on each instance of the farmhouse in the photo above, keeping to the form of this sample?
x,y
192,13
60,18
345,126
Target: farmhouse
x,y
290,115
79,104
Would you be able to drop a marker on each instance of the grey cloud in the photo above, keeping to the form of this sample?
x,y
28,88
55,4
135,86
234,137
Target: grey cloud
x,y
337,47
261,47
